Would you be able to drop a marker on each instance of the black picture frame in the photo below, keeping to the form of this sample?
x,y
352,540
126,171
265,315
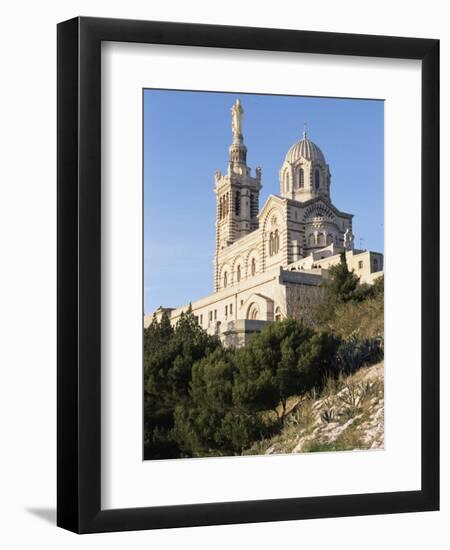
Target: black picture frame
x,y
79,280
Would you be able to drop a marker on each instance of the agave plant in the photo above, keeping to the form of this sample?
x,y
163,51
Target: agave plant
x,y
328,416
353,353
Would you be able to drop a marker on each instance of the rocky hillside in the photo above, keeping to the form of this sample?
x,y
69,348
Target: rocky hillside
x,y
348,415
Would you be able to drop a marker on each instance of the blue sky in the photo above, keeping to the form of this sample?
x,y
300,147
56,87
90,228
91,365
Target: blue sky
x,y
186,138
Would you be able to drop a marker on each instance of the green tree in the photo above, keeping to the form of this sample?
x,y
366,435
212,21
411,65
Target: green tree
x,y
212,423
342,283
169,354
285,359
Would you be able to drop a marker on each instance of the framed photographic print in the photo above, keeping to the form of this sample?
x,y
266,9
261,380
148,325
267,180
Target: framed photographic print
x,y
248,307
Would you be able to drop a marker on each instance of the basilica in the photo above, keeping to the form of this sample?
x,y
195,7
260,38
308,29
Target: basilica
x,y
269,262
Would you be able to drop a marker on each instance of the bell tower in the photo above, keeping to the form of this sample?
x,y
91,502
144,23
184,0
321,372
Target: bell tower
x,y
237,193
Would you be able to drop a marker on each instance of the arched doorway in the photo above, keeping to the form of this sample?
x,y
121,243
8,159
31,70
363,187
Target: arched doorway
x,y
253,312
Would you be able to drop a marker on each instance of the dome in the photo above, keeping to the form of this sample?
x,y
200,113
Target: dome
x,y
306,149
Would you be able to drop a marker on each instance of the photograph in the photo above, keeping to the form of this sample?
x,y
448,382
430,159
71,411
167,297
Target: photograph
x,y
228,228
263,243
230,347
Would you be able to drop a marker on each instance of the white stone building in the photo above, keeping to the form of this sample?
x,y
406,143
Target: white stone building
x,y
269,263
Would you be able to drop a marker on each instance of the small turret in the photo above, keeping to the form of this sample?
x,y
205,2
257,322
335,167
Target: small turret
x,y
304,174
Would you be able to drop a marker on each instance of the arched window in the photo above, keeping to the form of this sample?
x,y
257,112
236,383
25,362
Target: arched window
x,y
238,273
271,244
277,313
320,239
276,242
311,240
329,238
237,203
225,279
317,178
287,182
253,266
301,178
253,206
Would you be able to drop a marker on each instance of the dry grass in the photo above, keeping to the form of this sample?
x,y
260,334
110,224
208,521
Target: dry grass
x,y
347,415
366,319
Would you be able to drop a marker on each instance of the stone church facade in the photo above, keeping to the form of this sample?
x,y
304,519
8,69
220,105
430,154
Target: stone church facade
x,y
269,262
